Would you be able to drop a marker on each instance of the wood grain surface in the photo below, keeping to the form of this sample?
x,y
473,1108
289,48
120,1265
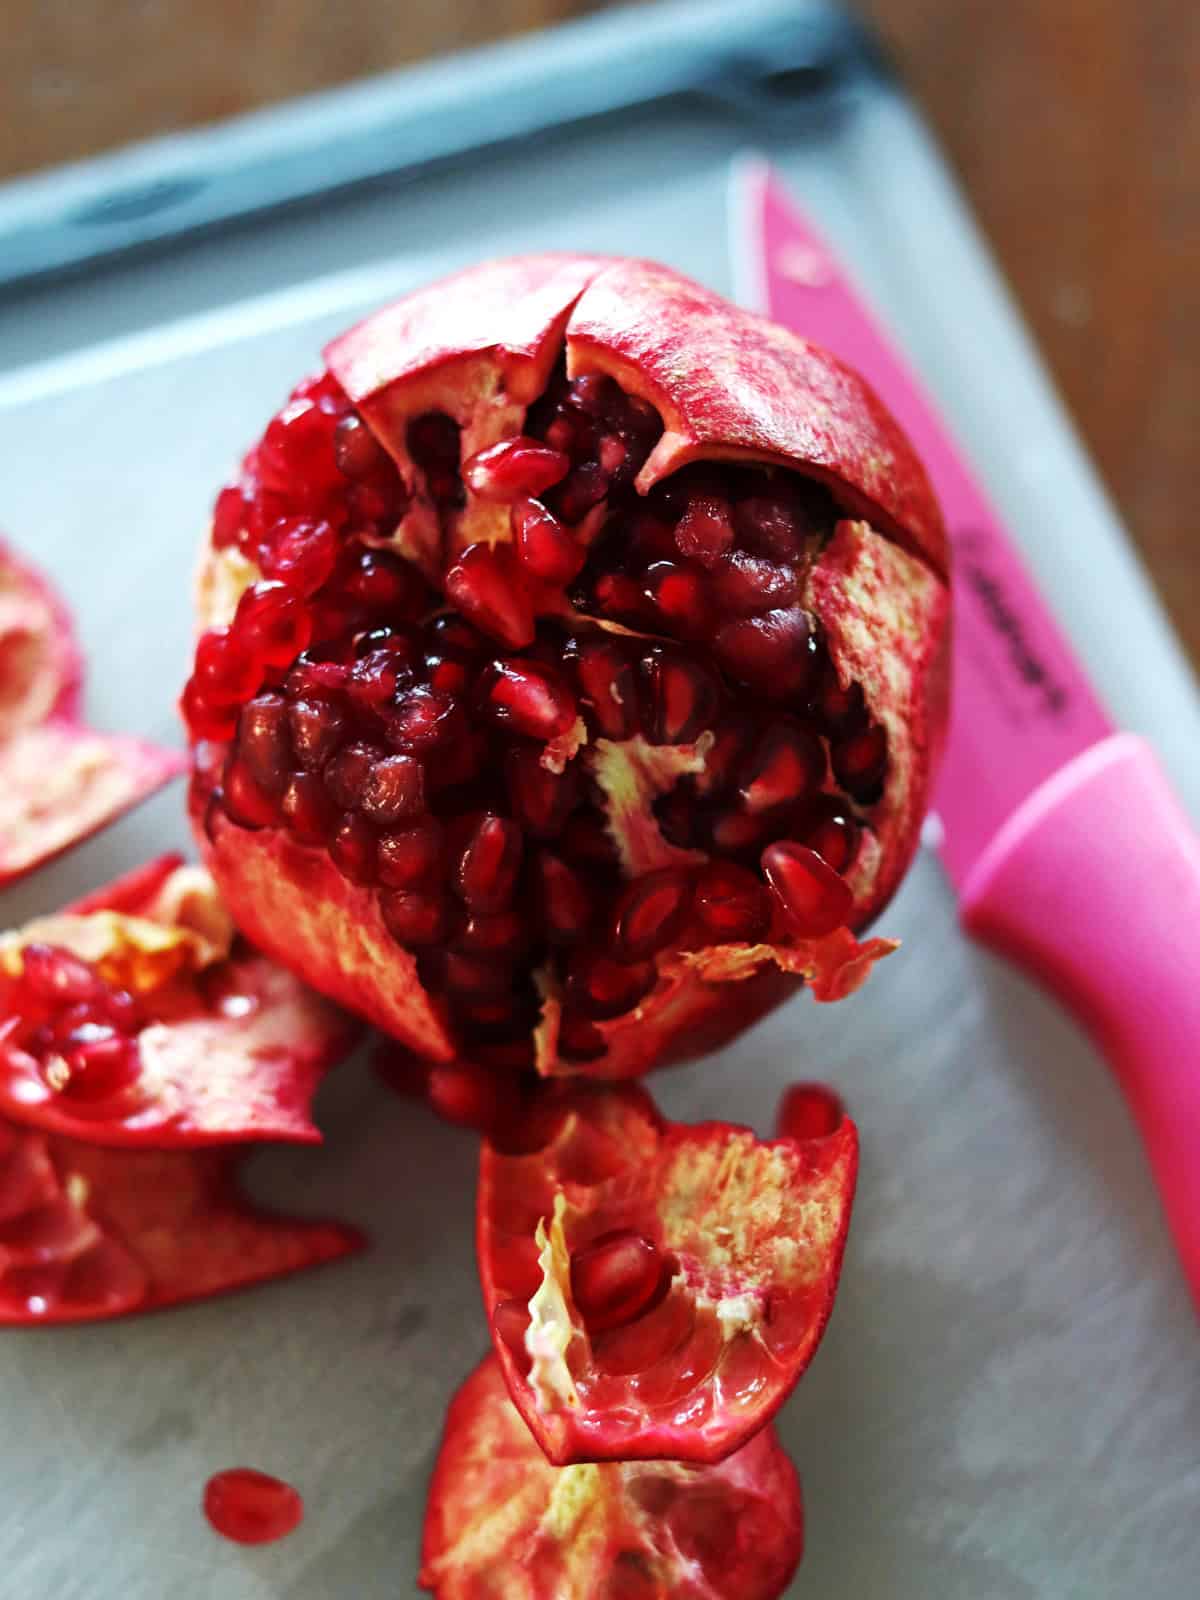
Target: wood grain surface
x,y
1074,125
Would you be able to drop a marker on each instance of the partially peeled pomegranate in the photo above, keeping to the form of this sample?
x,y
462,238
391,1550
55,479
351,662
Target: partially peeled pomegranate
x,y
501,1521
572,667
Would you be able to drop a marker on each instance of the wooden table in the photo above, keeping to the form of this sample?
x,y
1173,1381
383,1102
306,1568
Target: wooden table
x,y
1075,126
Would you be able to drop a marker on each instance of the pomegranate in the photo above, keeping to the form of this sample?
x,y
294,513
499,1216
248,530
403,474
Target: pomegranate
x,y
137,1017
501,1520
573,615
810,1111
89,1233
251,1507
655,1290
59,780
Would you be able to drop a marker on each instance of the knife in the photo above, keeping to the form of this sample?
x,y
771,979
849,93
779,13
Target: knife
x,y
1067,848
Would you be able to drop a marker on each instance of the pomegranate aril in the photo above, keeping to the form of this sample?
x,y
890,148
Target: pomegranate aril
x,y
682,697
776,524
786,767
514,468
424,719
229,517
745,586
374,679
410,857
679,595
502,934
224,669
839,707
473,976
585,488
541,800
246,802
358,453
251,1507
206,718
488,587
649,913
544,546
394,789
385,586
705,531
587,840
678,816
731,903
449,634
433,443
417,919
602,987
579,1039
734,832
620,599
567,904
272,624
316,678
263,742
296,454
774,654
468,1095
301,554
54,975
607,681
809,1111
316,728
615,1278
833,833
310,814
346,773
352,849
814,898
724,762
529,698
486,872
93,1064
860,762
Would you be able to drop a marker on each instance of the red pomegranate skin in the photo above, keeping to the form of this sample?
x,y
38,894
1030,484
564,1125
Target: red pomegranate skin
x,y
500,1520
764,466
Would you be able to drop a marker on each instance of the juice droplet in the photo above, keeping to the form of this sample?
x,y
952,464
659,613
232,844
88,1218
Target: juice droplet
x,y
251,1507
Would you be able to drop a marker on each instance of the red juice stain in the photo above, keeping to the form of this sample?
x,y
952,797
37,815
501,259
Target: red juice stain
x,y
251,1507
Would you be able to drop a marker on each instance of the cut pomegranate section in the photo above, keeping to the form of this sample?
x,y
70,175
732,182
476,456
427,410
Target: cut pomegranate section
x,y
573,547
88,1233
138,1018
500,1520
664,1286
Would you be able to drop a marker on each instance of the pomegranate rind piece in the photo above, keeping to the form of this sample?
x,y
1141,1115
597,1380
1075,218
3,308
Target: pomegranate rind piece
x,y
752,1234
234,1045
41,670
88,1234
501,1520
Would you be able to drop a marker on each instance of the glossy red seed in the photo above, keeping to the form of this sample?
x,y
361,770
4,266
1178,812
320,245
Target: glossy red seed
x,y
92,1064
417,919
726,759
772,525
433,442
318,679
474,976
358,453
487,586
814,898
296,454
385,586
604,671
585,488
467,1094
346,773
409,858
746,586
246,802
620,599
833,833
207,718
839,707
301,554
529,698
316,728
486,872
579,1039
374,679
731,903
514,468
678,816
615,1278
393,789
785,768
251,1507
56,976
774,654
736,831
682,697
229,516
650,912
352,848
809,1111
679,595
310,814
860,762
602,987
272,623
223,669
264,745
541,801
544,546
567,904
705,530
502,934
587,840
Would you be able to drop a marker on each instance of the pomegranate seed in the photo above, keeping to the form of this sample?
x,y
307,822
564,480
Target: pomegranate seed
x,y
860,762
566,902
207,719
839,708
263,744
773,525
615,1279
417,919
724,762
316,728
810,1111
677,816
251,1507
586,839
814,898
394,788
786,767
506,1055
649,913
473,976
529,698
272,624
541,801
423,720
450,635
53,974
498,1018
501,934
732,903
352,849
223,669
346,773
544,547
579,1039
358,453
311,815
374,679
620,599
571,433
833,833
301,554
467,1094
704,532
774,654
602,987
734,832
296,453
612,453
262,513
514,468
746,586
433,440
384,585
334,616
605,674
585,488
650,539
411,857
229,517
246,802
487,869
93,1063
316,678
680,596
487,586
683,697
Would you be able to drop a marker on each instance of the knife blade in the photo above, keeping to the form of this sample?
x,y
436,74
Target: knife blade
x,y
1065,843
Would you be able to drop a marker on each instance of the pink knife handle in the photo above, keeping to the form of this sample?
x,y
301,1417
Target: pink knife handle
x,y
1093,887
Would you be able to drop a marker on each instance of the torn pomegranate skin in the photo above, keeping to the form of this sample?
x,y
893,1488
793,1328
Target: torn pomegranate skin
x,y
565,588
638,1530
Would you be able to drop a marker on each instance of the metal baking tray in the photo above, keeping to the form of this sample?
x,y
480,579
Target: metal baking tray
x,y
1006,1403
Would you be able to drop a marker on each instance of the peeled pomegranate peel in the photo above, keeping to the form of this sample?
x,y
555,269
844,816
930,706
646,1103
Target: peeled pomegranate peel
x,y
500,1520
59,781
88,1233
136,1017
655,1290
746,647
